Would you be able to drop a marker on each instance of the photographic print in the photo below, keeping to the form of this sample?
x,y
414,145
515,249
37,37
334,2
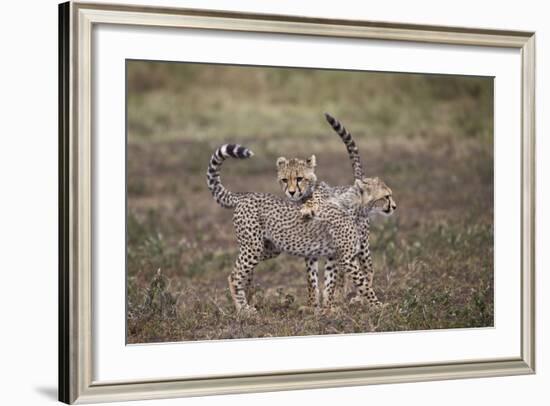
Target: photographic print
x,y
279,184
281,202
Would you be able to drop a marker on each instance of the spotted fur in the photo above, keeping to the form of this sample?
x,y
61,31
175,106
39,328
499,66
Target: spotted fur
x,y
311,206
345,198
266,225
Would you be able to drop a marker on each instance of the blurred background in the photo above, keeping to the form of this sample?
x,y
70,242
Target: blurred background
x,y
429,137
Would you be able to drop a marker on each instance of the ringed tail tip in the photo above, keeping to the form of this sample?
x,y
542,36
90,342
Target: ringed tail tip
x,y
234,151
329,118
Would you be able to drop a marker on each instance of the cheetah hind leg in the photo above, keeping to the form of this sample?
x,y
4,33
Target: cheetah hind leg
x,y
330,282
250,288
365,292
243,310
269,252
312,272
370,299
360,280
240,280
312,283
367,268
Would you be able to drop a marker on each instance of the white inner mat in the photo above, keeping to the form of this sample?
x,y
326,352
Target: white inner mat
x,y
113,360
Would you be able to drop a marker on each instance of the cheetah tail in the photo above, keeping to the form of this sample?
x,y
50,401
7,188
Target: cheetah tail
x,y
353,151
221,195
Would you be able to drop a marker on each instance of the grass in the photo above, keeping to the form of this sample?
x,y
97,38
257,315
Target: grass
x,y
428,137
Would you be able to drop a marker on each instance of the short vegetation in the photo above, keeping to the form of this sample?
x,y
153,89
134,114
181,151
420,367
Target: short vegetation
x,y
428,137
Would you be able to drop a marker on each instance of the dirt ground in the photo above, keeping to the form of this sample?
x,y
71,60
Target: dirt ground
x,y
433,258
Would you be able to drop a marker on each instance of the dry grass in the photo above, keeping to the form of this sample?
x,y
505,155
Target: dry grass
x,y
429,138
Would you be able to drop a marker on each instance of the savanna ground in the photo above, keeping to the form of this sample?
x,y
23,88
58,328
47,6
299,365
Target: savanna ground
x,y
428,137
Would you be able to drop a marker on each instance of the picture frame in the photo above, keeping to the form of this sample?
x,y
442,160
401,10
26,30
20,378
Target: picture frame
x,y
76,214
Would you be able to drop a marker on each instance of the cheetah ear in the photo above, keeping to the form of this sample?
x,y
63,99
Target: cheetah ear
x,y
311,161
365,185
281,161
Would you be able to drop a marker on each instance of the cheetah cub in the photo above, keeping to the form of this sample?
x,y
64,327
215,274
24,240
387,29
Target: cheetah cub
x,y
299,183
266,225
315,199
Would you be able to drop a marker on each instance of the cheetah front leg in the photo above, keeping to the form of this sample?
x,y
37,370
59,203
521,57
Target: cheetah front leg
x,y
269,252
362,283
345,236
330,282
240,279
312,272
365,260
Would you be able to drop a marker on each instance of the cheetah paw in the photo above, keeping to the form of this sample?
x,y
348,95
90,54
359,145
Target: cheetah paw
x,y
379,305
307,213
376,304
356,300
330,310
247,312
318,311
308,309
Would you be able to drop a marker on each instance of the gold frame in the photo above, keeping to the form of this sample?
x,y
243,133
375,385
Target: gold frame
x,y
75,340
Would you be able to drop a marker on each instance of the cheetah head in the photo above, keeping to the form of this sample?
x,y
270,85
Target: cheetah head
x,y
296,176
376,196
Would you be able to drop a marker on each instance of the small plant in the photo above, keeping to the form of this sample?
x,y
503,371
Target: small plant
x,y
429,136
157,302
158,299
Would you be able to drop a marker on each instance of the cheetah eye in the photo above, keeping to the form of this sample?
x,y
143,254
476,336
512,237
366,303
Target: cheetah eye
x,y
285,180
299,179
